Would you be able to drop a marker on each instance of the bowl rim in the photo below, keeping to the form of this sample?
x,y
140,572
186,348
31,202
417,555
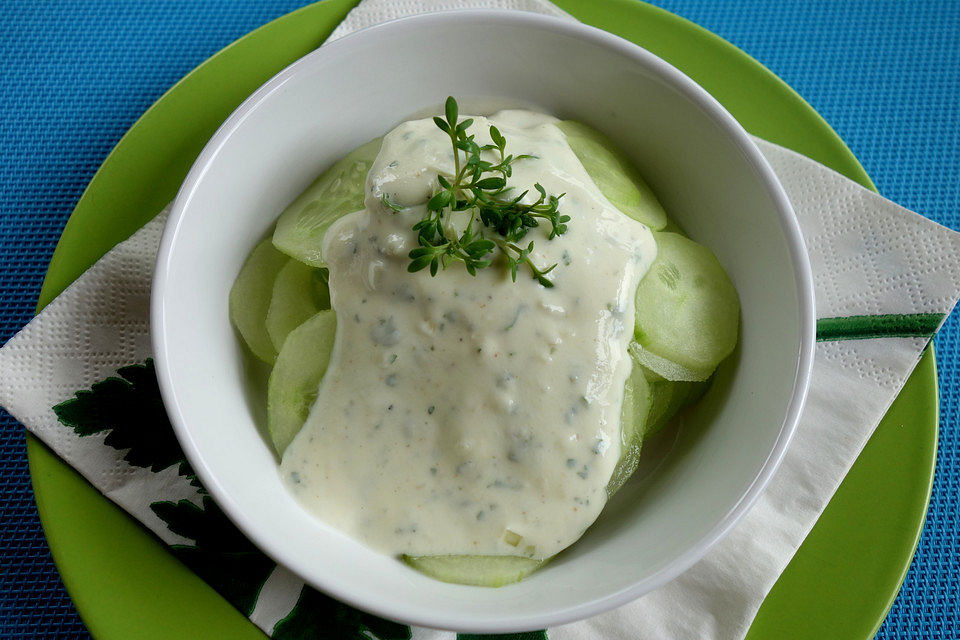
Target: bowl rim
x,y
713,109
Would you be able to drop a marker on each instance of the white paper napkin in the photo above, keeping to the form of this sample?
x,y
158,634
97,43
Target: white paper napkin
x,y
870,257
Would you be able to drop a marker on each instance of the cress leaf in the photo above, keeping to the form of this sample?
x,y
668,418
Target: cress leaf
x,y
439,200
451,111
467,189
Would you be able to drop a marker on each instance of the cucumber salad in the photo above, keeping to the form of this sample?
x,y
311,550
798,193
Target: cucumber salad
x,y
473,325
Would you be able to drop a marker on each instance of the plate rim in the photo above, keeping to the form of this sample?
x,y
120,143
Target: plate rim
x,y
50,284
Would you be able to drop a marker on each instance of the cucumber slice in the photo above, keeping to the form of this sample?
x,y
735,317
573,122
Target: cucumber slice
x,y
633,418
479,571
299,292
650,401
665,368
250,298
663,395
296,377
667,397
673,227
339,191
615,176
680,396
687,310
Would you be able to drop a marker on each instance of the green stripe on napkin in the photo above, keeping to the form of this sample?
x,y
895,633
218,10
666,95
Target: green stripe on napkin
x,y
524,635
908,325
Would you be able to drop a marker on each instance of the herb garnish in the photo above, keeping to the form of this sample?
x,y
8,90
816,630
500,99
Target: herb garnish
x,y
479,187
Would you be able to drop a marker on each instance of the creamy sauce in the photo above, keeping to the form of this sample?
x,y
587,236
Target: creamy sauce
x,y
471,415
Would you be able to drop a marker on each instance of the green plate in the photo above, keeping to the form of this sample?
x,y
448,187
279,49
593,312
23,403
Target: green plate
x,y
125,585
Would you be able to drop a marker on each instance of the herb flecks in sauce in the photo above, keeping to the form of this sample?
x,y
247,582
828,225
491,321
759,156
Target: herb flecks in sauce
x,y
415,423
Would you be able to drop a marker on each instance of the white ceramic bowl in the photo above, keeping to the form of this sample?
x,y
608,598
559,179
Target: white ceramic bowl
x,y
700,162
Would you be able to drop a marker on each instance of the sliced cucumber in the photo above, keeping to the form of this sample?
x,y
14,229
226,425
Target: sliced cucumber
x,y
250,298
687,310
296,377
633,418
666,369
686,395
479,571
673,227
299,292
614,174
667,398
650,401
339,191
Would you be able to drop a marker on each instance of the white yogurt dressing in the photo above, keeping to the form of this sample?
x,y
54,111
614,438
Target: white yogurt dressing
x,y
471,415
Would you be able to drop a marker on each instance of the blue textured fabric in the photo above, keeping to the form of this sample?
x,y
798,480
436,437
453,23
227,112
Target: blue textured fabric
x,y
75,75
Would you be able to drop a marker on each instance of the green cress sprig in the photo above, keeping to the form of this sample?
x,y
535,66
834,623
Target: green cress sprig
x,y
479,187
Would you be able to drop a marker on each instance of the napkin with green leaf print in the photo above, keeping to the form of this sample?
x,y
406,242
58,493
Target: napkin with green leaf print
x,y
79,376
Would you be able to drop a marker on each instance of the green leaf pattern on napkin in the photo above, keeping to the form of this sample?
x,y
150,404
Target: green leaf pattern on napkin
x,y
128,408
221,555
318,617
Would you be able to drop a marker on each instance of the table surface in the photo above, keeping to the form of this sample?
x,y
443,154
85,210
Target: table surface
x,y
74,76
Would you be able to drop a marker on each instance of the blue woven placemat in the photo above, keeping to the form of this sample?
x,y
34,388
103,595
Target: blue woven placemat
x,y
74,77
